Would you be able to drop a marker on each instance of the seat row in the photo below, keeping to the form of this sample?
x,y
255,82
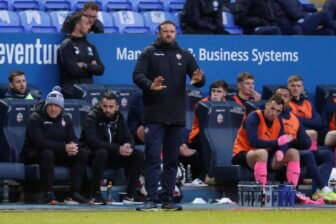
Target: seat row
x,y
114,22
105,5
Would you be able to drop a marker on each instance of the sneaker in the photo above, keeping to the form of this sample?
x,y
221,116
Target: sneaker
x,y
308,201
76,199
98,199
49,198
328,197
148,206
131,201
170,206
198,183
210,180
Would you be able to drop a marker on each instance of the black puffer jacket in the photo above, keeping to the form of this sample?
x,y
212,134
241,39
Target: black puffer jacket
x,y
250,14
173,63
101,132
203,17
44,132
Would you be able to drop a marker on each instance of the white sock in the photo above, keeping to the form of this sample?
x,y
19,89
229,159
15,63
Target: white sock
x,y
326,189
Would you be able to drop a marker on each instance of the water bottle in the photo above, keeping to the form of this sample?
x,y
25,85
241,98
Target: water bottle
x,y
240,195
281,195
189,174
275,196
5,192
332,184
103,189
268,196
109,191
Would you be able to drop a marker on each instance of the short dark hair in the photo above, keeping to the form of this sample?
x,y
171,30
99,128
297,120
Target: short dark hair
x,y
280,87
243,76
109,95
165,23
74,20
91,5
278,99
13,74
219,84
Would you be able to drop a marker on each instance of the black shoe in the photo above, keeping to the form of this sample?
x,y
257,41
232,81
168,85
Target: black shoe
x,y
76,199
149,206
49,198
98,199
170,206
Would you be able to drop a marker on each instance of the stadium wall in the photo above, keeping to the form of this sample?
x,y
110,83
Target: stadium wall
x,y
270,58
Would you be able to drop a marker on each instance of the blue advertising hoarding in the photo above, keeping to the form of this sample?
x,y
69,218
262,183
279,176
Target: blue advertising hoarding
x,y
271,59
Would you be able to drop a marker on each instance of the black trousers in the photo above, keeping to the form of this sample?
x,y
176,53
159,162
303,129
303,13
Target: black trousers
x,y
166,139
48,159
200,161
104,158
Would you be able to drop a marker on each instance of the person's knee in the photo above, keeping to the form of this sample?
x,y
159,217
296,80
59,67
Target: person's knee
x,y
330,139
312,134
261,155
292,155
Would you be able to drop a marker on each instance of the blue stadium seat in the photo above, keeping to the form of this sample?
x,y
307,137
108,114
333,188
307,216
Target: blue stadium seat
x,y
130,22
148,5
26,4
15,114
76,110
57,19
78,4
154,18
5,4
12,171
173,5
219,123
193,96
229,24
91,93
64,5
322,94
308,6
108,22
117,5
37,21
10,22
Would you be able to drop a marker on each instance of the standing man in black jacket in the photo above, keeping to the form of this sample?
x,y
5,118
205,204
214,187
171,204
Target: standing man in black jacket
x,y
106,135
161,73
78,59
90,10
50,140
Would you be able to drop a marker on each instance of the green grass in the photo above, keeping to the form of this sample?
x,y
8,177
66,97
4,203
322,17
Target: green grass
x,y
186,217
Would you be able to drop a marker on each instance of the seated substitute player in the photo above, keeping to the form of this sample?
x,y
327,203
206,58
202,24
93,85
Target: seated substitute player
x,y
319,163
247,96
304,109
261,139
